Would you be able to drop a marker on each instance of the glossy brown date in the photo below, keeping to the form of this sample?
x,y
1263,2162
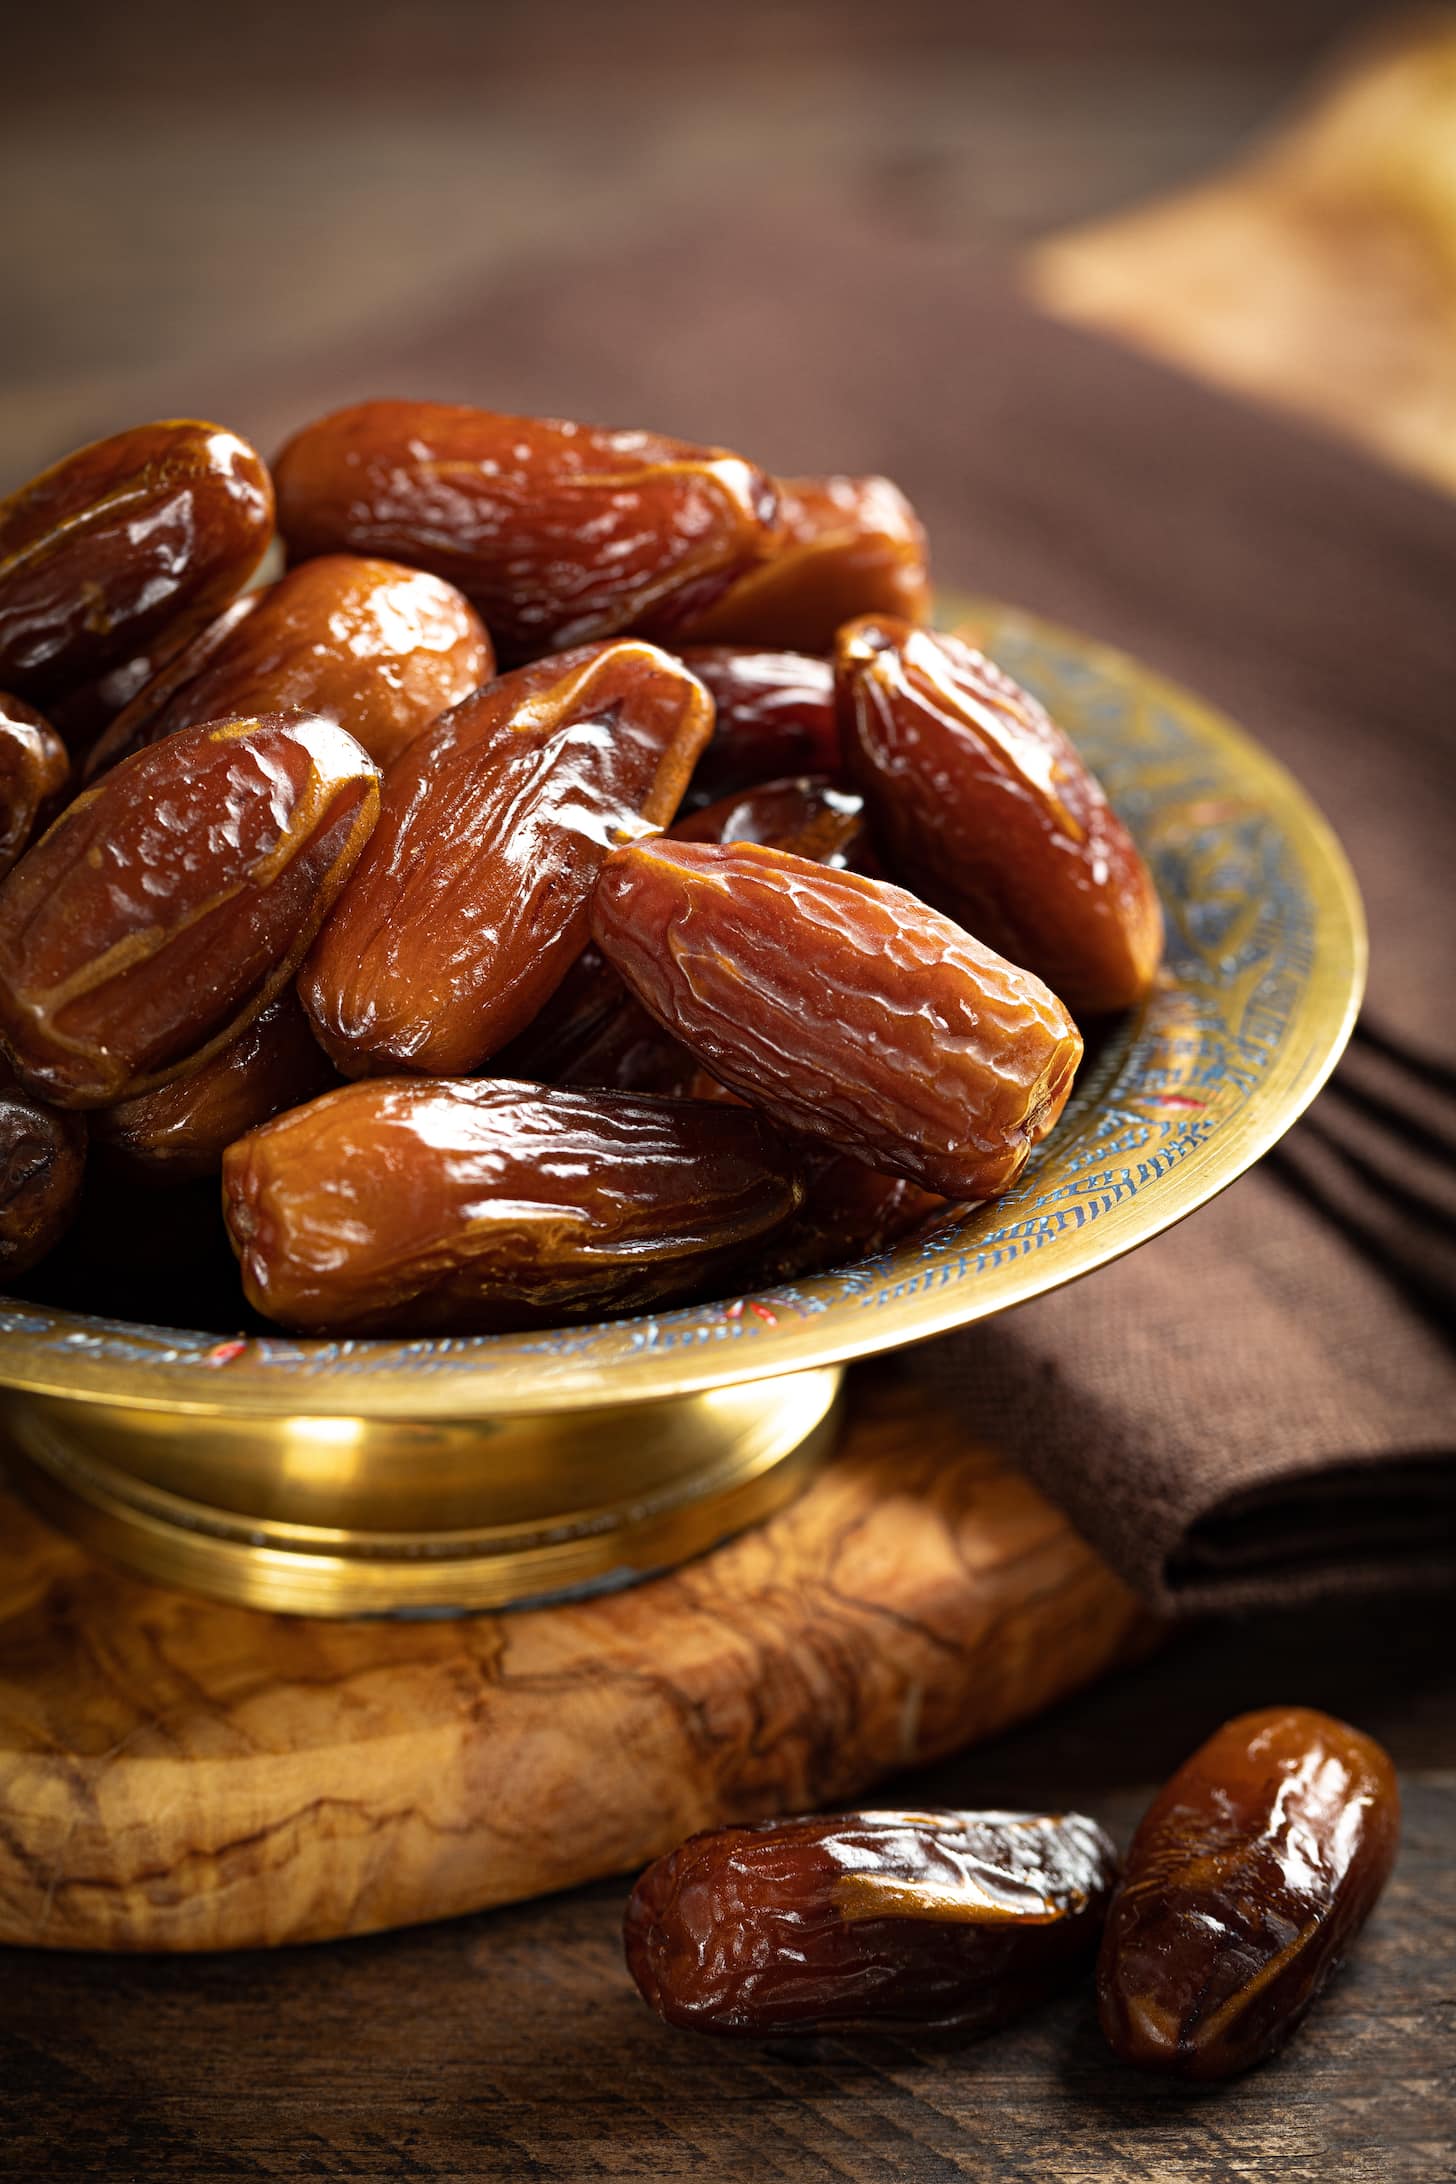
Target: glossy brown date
x,y
379,649
844,546
985,808
1249,1877
774,715
35,770
805,815
182,1129
103,552
954,1920
84,714
465,1205
843,1007
42,1165
593,1032
560,533
169,904
850,1212
470,903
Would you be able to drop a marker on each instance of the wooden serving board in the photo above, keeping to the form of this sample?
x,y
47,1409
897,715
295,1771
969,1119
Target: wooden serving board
x,y
176,1774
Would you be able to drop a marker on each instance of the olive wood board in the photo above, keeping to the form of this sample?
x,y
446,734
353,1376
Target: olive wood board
x,y
177,1774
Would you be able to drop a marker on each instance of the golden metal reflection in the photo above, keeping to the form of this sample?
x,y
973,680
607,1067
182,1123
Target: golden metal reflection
x,y
430,1518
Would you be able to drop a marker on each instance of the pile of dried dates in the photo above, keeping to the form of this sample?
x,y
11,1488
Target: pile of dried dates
x,y
577,882
1250,1875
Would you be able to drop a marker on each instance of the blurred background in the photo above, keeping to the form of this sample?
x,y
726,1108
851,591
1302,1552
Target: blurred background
x,y
256,209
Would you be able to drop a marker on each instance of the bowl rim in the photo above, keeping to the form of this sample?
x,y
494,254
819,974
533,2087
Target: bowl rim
x,y
50,1352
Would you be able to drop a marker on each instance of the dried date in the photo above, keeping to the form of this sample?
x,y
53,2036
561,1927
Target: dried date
x,y
181,1130
169,904
469,1205
123,539
850,1212
844,546
986,809
470,903
593,1032
843,1007
380,649
953,1920
35,770
42,1165
1250,1875
807,816
774,715
560,533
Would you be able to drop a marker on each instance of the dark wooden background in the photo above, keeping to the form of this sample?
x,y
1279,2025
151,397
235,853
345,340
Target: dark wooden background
x,y
200,190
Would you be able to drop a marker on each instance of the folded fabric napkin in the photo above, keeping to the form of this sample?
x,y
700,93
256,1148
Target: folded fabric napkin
x,y
1258,1405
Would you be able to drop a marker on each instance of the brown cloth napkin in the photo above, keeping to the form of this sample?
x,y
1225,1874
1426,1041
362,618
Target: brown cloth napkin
x,y
1257,1406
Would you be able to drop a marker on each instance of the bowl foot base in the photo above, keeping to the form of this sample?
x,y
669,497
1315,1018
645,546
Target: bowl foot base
x,y
352,1516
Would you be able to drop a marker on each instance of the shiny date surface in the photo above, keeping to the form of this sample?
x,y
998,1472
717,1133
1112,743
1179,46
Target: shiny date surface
x,y
805,815
985,808
35,770
42,1166
181,1130
593,1032
944,1919
470,903
381,650
1250,1875
844,546
170,903
560,533
470,1205
110,547
849,1212
774,715
843,1007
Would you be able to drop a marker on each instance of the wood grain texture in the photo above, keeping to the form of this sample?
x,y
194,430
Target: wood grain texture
x,y
175,1774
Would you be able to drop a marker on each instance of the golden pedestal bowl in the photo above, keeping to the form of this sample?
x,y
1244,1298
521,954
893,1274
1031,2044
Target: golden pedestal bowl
x,y
358,1477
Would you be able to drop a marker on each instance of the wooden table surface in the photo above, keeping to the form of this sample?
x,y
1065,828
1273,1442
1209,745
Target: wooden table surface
x,y
186,192
513,2045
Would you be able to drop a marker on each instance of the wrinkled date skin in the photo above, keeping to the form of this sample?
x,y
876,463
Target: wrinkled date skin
x,y
468,1205
42,1165
774,714
843,1007
181,1130
560,533
593,1032
1250,1875
955,1920
470,903
986,809
35,770
380,649
844,546
119,541
169,904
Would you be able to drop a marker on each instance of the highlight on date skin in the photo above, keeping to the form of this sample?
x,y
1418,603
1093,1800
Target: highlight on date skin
x,y
1249,1878
951,1920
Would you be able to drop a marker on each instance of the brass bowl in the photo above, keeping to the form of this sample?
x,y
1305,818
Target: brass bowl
x,y
368,1476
